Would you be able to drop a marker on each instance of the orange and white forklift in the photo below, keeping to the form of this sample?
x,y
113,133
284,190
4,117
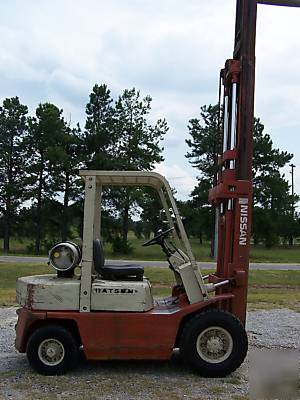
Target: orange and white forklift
x,y
108,311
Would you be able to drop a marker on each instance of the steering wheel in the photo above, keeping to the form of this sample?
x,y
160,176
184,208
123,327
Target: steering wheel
x,y
158,238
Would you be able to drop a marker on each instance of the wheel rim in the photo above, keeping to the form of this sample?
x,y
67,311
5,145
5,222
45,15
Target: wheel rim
x,y
51,352
214,344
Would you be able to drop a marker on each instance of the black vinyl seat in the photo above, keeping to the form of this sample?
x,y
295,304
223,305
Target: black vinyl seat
x,y
114,272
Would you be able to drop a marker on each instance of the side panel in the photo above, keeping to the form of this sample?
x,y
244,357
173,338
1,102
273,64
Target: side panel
x,y
124,335
190,282
120,335
121,296
47,292
128,336
25,319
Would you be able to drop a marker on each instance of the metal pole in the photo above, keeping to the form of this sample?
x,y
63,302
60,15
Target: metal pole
x,y
287,3
293,197
233,122
225,141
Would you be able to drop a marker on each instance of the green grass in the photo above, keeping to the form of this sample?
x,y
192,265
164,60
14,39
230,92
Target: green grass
x,y
284,254
280,254
267,288
9,272
17,246
274,277
269,298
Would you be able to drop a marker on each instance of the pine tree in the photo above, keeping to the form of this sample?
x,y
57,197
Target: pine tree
x,y
119,137
12,187
272,200
43,169
99,130
204,145
205,142
137,144
69,158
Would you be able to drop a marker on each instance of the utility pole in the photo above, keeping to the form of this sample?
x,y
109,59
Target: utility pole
x,y
293,200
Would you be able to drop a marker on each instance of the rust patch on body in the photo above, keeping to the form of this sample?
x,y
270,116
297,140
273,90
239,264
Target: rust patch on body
x,y
30,294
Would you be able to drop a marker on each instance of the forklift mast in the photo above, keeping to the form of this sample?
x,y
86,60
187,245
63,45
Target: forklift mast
x,y
232,193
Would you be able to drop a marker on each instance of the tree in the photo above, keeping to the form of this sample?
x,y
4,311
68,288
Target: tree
x,y
119,137
272,201
205,142
137,144
43,144
150,220
12,188
69,157
198,213
204,146
100,146
99,130
271,197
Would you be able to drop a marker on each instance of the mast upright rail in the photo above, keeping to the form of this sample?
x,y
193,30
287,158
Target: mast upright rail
x,y
232,193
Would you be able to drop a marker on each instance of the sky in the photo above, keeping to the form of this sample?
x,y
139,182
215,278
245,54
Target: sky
x,y
56,50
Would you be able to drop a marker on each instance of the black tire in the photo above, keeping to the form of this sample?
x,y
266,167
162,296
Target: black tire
x,y
61,346
214,343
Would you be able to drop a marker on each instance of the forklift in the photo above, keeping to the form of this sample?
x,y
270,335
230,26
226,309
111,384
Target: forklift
x,y
108,311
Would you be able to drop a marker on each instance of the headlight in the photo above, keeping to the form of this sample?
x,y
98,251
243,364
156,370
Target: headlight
x,y
64,256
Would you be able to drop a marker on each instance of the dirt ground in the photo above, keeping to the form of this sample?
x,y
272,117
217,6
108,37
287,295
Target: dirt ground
x,y
268,331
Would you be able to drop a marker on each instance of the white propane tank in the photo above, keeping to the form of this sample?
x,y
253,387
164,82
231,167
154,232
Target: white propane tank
x,y
65,256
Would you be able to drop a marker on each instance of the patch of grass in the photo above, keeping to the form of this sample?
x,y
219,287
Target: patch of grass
x,y
159,275
20,386
267,288
274,277
278,254
7,374
216,389
232,380
10,272
269,298
161,292
256,277
17,246
7,297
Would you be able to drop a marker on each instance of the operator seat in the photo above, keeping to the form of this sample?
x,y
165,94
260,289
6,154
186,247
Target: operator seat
x,y
114,272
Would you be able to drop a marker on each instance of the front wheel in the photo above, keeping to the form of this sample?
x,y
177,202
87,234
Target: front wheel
x,y
214,343
52,350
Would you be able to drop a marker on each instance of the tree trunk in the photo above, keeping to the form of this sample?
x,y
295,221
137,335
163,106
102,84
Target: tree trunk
x,y
6,238
7,213
65,221
39,212
38,225
291,240
200,238
126,216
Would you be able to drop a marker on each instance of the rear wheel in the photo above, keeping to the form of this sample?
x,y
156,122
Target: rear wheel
x,y
52,350
214,343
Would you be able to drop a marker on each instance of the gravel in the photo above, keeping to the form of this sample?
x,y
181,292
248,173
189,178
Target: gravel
x,y
272,329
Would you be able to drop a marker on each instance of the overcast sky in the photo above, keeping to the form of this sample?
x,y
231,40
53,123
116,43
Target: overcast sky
x,y
171,49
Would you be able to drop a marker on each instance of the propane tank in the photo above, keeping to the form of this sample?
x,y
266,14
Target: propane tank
x,y
65,257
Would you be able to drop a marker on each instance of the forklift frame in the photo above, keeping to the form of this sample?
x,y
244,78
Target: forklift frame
x,y
94,183
232,193
183,319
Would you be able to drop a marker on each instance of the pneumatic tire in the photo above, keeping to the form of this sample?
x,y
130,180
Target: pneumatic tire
x,y
52,350
214,343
